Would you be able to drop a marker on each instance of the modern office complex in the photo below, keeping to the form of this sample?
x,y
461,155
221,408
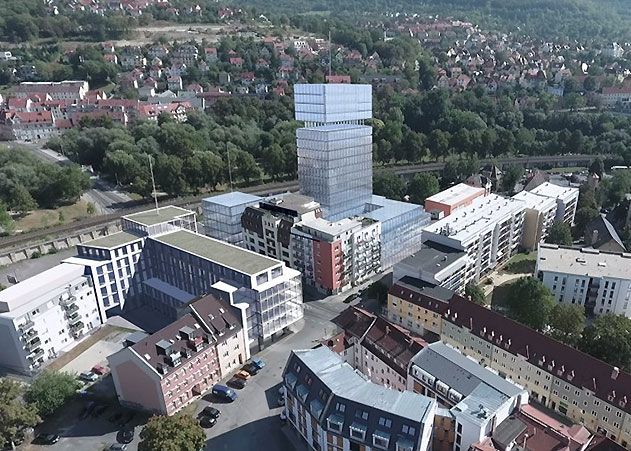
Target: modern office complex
x,y
489,231
448,201
112,260
585,389
566,199
45,315
539,216
335,148
222,215
599,281
334,407
163,372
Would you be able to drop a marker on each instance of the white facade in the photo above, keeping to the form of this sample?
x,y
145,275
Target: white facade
x,y
489,231
599,281
566,198
539,217
44,316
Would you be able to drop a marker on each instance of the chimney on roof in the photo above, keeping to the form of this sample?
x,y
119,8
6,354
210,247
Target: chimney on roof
x,y
615,372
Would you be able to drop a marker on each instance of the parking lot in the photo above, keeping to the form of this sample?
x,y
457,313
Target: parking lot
x,y
249,423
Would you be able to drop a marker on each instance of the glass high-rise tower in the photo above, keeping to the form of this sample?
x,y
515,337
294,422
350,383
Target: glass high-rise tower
x,y
335,147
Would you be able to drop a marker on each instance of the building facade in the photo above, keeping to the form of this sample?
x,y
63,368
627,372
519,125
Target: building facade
x,y
334,408
584,389
222,215
46,315
599,281
334,147
539,216
566,199
164,372
448,201
489,231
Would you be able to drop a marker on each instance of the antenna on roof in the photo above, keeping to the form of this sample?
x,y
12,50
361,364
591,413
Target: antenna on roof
x,y
153,183
329,52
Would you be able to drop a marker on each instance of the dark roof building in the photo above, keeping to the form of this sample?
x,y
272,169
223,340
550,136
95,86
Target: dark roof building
x,y
601,234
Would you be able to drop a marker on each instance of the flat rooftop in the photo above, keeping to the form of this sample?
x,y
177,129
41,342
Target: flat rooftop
x,y
583,262
536,201
332,227
164,214
433,258
114,240
548,189
456,194
468,222
336,128
22,297
292,201
239,259
232,199
383,209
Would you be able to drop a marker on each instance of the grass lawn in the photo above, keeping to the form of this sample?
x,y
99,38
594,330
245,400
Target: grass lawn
x,y
522,263
41,219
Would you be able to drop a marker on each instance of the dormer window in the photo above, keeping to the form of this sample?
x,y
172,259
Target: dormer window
x,y
357,431
380,439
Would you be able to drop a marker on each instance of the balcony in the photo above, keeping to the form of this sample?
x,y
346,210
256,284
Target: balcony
x,y
27,326
73,318
76,326
71,308
36,353
70,300
30,346
28,334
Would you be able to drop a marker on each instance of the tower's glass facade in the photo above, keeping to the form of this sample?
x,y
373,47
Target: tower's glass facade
x,y
334,147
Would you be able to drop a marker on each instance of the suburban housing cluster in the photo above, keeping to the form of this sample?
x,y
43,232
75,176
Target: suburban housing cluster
x,y
435,372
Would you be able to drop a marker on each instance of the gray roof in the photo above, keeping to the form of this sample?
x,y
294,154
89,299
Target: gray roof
x,y
164,214
292,201
345,382
112,241
459,372
606,234
428,289
233,199
239,259
434,257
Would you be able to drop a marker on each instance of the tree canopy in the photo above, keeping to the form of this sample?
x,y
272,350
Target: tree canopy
x,y
51,390
559,233
15,414
476,293
422,186
530,302
567,322
608,338
179,432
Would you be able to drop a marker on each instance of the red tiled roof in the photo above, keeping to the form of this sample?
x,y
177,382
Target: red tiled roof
x,y
37,117
354,321
621,90
565,362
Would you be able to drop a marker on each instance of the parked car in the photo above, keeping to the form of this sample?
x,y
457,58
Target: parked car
x,y
46,439
207,422
250,368
126,435
210,411
117,447
100,370
259,363
223,392
351,298
88,376
235,382
242,375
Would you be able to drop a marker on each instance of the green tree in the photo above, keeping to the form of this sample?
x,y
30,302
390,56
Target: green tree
x,y
567,322
529,302
176,433
21,200
90,209
583,217
609,338
51,390
422,186
597,167
169,174
15,414
6,221
388,184
511,176
476,293
559,233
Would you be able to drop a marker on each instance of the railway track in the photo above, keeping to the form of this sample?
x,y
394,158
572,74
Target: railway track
x,y
9,243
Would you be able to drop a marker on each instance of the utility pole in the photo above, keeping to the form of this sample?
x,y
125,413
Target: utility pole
x,y
330,52
153,183
229,165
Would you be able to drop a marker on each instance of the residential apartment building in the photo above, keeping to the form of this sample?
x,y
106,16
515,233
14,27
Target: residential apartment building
x,y
614,97
566,198
586,390
45,316
167,370
267,226
62,90
112,260
334,407
334,147
539,216
599,281
222,215
377,348
448,201
335,256
489,231
473,400
435,264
